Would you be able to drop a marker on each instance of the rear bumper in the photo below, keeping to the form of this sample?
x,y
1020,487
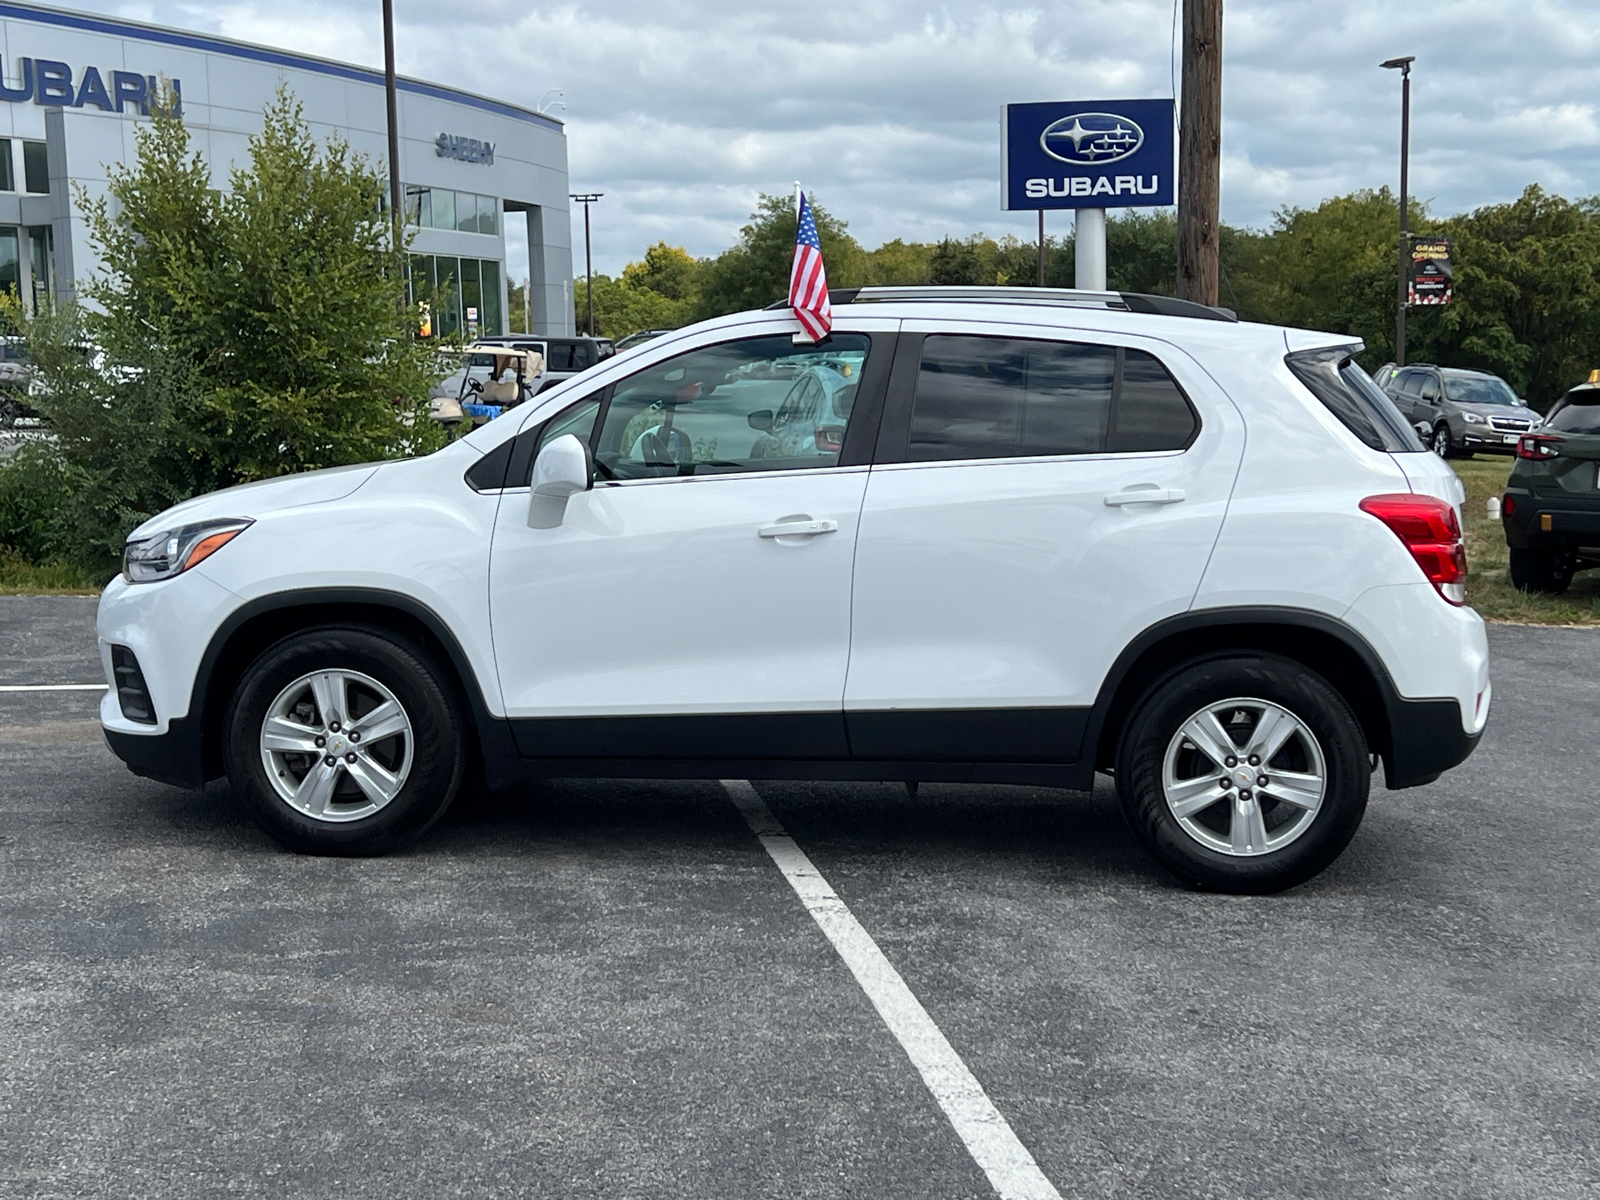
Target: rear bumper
x,y
1573,523
1426,739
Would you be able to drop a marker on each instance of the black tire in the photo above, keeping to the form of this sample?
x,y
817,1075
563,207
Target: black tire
x,y
437,752
1542,570
1443,444
1323,831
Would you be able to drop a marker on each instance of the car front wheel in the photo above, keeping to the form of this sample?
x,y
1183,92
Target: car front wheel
x,y
1443,444
343,741
1243,773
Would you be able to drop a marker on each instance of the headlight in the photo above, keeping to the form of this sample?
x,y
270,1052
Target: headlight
x,y
1472,418
173,551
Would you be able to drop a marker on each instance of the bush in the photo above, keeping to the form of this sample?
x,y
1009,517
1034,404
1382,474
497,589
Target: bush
x,y
231,337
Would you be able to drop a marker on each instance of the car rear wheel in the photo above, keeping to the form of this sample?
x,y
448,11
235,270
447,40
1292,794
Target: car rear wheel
x,y
1243,773
1542,570
343,741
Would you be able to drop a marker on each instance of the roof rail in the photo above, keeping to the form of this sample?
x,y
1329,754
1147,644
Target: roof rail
x,y
1166,306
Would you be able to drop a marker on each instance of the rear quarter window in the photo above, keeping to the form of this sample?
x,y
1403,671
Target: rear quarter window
x,y
1334,377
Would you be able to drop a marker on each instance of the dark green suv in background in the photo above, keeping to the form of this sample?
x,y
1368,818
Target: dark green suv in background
x,y
1465,412
1551,505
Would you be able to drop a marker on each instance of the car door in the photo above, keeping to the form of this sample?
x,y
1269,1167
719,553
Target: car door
x,y
1402,389
1430,402
1039,499
695,604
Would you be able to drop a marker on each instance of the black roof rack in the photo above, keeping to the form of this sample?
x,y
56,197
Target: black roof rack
x,y
1165,306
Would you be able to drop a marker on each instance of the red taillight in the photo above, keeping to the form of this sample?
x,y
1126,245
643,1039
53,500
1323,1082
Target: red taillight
x,y
1508,506
1430,530
830,438
1538,445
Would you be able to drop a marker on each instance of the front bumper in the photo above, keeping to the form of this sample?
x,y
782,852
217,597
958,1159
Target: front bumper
x,y
1483,440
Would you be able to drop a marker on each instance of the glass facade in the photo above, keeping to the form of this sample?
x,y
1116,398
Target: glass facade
x,y
35,168
442,208
10,261
466,297
42,259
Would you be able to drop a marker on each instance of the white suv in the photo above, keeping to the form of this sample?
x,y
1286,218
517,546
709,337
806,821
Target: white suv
x,y
1058,533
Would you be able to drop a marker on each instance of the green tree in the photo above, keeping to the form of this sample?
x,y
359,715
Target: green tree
x,y
755,272
1526,302
231,336
621,309
669,271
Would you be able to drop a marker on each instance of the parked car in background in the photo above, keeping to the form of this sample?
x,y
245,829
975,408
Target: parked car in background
x,y
639,339
16,382
1465,411
1058,533
1384,374
1551,506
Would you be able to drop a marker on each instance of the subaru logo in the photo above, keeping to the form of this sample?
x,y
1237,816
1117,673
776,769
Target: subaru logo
x,y
1091,139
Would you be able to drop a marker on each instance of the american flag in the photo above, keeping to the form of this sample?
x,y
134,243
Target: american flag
x,y
808,281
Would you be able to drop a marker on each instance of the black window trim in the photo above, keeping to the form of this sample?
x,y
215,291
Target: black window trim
x,y
894,438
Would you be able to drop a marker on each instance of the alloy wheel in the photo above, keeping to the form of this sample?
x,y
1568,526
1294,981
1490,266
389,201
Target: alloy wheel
x,y
1244,777
1441,441
337,745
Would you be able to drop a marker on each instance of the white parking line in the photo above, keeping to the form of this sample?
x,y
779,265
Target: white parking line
x,y
52,687
988,1138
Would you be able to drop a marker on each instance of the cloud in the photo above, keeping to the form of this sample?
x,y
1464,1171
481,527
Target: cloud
x,y
683,111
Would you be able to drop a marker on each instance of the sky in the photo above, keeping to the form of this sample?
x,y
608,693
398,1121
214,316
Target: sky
x,y
683,111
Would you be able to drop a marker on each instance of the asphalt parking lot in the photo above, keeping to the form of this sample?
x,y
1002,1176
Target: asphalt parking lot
x,y
608,989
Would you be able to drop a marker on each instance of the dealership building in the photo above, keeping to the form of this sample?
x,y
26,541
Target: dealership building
x,y
73,87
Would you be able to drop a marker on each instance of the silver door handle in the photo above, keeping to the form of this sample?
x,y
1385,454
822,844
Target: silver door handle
x,y
798,529
1145,496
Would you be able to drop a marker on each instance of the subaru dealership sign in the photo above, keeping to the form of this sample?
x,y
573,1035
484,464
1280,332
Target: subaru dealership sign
x,y
1087,154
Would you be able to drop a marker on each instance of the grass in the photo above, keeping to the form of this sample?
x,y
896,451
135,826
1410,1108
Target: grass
x,y
1489,587
18,577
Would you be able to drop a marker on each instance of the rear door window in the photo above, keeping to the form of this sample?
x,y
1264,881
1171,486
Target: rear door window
x,y
997,397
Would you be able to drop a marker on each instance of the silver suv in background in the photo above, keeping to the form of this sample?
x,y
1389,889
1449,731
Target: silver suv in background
x,y
1465,411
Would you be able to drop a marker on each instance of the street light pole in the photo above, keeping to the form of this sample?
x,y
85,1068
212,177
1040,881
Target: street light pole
x,y
1404,67
396,214
586,199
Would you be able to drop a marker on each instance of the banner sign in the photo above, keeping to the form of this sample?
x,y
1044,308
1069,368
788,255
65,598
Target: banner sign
x,y
1087,154
1431,271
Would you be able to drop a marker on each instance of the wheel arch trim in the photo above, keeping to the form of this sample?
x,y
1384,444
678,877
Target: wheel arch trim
x,y
1412,736
337,605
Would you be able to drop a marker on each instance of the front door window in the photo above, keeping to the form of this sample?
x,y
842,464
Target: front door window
x,y
758,404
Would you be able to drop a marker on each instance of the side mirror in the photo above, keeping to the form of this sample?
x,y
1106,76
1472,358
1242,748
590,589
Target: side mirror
x,y
761,419
1424,430
563,468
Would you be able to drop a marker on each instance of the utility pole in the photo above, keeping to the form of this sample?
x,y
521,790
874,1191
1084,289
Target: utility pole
x,y
1200,151
1041,247
1403,65
397,214
586,199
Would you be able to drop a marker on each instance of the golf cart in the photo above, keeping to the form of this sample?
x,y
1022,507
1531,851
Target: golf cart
x,y
491,380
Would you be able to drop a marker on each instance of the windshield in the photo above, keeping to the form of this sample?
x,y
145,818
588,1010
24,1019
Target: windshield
x,y
1478,389
1577,418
